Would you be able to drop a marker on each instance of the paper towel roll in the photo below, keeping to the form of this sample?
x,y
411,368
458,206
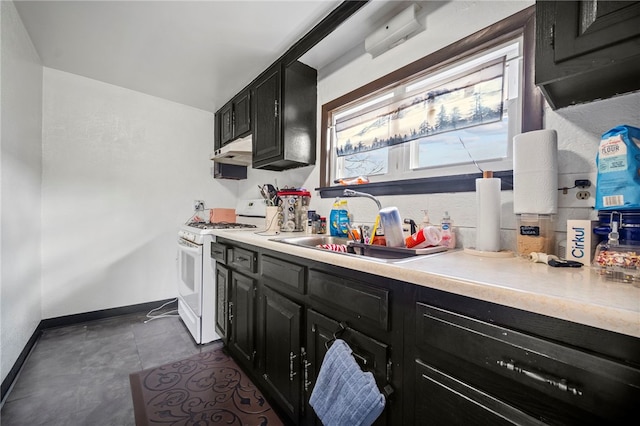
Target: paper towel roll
x,y
535,172
488,213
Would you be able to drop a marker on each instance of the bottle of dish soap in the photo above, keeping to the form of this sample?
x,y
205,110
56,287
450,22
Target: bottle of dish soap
x,y
339,219
425,220
448,234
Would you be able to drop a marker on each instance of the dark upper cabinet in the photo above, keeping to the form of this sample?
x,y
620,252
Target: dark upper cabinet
x,y
586,50
284,124
242,114
226,123
233,120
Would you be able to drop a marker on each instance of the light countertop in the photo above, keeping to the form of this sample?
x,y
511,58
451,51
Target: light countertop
x,y
573,294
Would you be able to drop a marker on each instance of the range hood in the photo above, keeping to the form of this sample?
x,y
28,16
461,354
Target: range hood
x,y
238,152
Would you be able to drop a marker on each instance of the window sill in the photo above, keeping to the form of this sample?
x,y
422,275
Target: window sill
x,y
433,185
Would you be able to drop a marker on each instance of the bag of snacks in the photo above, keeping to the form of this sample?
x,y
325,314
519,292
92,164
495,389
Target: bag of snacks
x,y
618,161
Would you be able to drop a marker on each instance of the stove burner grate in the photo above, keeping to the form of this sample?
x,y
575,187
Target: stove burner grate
x,y
220,225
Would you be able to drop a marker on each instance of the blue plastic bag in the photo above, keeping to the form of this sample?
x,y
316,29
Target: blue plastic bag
x,y
618,161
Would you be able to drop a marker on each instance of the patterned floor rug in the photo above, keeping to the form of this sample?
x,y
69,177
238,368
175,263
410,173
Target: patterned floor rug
x,y
205,389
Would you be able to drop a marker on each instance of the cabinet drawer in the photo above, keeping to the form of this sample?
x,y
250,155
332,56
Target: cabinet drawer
x,y
284,275
442,400
219,252
243,259
540,376
370,354
362,302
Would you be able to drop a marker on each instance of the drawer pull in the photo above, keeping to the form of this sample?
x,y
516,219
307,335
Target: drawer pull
x,y
242,259
560,384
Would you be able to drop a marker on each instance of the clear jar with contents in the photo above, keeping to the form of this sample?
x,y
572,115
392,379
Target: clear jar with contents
x,y
534,234
617,262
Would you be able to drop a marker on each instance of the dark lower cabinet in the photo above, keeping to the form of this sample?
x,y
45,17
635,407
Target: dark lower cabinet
x,y
222,301
370,354
524,378
441,399
439,358
242,318
282,353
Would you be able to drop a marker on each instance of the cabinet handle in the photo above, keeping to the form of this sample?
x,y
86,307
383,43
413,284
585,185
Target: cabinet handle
x,y
275,108
230,310
560,384
305,364
292,373
241,259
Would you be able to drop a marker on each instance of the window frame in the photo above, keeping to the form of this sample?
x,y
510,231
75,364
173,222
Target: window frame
x,y
522,22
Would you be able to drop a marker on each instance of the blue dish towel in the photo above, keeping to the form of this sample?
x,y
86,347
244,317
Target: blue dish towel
x,y
344,394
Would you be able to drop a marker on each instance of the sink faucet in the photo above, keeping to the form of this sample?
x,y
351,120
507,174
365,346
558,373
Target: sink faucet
x,y
352,193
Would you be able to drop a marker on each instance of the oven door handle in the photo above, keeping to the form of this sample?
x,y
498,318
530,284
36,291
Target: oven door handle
x,y
186,246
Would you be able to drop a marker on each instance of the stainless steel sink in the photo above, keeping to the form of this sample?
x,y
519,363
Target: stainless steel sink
x,y
372,252
312,240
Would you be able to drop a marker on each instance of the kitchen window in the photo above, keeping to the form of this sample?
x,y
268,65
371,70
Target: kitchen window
x,y
432,125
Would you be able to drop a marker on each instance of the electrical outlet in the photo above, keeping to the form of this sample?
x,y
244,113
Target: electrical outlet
x,y
578,197
198,205
583,195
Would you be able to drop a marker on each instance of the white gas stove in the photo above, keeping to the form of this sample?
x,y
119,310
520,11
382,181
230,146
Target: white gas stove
x,y
196,274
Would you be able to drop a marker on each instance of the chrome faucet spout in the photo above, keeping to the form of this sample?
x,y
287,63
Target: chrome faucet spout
x,y
352,193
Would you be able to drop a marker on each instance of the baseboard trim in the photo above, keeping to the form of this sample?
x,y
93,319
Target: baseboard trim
x,y
65,321
13,373
102,314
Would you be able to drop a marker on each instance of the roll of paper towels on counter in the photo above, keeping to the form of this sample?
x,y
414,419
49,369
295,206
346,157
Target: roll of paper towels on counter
x,y
535,172
488,206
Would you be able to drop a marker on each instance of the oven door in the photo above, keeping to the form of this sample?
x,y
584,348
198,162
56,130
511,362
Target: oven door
x,y
190,275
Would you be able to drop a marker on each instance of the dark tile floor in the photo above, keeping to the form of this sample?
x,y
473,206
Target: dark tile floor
x,y
79,374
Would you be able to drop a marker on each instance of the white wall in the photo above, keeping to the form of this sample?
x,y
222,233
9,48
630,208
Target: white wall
x,y
21,171
121,171
579,127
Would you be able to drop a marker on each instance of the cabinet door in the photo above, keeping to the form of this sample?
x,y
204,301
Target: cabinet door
x,y
222,301
266,127
281,328
442,400
585,26
217,138
586,50
371,354
562,384
242,338
242,114
226,123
